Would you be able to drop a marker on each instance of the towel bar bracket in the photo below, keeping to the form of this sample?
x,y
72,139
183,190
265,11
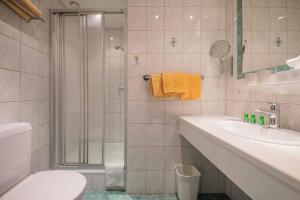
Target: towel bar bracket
x,y
147,77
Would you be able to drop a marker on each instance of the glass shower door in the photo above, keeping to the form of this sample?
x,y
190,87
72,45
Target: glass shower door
x,y
81,89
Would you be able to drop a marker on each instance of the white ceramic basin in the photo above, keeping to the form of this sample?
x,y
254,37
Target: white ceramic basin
x,y
256,132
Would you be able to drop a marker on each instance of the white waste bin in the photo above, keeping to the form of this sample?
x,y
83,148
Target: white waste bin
x,y
187,177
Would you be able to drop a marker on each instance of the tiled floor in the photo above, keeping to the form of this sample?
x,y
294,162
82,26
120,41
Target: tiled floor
x,y
100,195
94,195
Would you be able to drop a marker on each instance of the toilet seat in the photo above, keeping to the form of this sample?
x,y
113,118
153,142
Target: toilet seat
x,y
49,185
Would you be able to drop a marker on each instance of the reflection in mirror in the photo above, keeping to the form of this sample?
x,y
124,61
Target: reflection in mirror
x,y
268,34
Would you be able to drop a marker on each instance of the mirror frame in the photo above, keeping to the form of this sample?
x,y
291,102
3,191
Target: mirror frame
x,y
240,73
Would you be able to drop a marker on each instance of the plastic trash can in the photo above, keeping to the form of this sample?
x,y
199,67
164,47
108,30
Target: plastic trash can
x,y
187,178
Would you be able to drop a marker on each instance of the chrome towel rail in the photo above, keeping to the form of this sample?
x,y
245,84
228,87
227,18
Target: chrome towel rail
x,y
147,77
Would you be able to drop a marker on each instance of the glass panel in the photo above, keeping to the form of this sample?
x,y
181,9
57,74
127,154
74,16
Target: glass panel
x,y
72,91
95,92
88,88
115,88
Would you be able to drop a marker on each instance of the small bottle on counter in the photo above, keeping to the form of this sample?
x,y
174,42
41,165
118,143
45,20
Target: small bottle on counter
x,y
246,117
261,120
253,119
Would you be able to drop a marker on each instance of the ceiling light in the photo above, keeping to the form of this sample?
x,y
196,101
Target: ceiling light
x,y
111,38
156,16
191,17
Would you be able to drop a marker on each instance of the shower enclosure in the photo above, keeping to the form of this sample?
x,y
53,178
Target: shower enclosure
x,y
87,87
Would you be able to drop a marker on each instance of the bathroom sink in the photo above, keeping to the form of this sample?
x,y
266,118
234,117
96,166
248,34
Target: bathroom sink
x,y
256,132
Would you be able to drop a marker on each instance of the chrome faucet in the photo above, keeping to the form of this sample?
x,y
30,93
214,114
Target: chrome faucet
x,y
273,114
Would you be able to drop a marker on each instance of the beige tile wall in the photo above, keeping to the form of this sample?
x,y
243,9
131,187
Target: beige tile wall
x,y
154,146
24,76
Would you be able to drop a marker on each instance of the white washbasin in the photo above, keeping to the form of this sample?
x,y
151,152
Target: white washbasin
x,y
256,132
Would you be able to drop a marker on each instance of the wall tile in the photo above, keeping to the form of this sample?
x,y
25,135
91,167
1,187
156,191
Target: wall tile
x,y
137,3
9,112
191,18
155,18
155,41
136,41
172,137
172,110
155,135
173,2
172,157
136,182
173,18
29,60
136,134
10,85
191,2
191,63
155,63
191,41
210,18
155,158
136,158
155,181
9,53
147,112
155,2
170,185
136,18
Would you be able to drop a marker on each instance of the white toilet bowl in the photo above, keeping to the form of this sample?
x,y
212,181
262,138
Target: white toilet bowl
x,y
15,181
48,185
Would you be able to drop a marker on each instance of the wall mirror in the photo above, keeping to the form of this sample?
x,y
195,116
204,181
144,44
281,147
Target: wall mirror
x,y
268,34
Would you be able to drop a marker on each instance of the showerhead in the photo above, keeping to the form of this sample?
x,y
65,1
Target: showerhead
x,y
119,47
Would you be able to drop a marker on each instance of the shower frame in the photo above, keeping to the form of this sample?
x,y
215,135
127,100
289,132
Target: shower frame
x,y
53,146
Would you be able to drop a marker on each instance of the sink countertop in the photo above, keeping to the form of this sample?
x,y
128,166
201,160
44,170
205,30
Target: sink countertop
x,y
281,161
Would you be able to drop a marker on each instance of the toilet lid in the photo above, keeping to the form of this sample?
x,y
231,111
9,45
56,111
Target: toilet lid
x,y
48,185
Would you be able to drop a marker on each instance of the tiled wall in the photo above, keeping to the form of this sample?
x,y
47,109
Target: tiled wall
x,y
114,81
263,22
153,144
24,76
240,101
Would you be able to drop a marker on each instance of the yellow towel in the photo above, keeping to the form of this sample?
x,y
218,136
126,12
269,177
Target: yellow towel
x,y
174,83
156,85
194,87
184,86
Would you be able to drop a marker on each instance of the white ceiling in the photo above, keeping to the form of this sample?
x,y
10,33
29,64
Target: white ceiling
x,y
103,4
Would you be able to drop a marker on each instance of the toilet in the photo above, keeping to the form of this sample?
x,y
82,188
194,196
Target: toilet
x,y
15,160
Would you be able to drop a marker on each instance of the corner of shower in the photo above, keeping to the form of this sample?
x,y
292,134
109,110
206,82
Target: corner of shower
x,y
88,90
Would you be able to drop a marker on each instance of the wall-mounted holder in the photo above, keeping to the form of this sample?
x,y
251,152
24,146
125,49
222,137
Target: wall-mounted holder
x,y
147,77
279,41
173,41
137,60
25,9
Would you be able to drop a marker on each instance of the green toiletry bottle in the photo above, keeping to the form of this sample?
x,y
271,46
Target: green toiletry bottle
x,y
261,120
253,119
246,117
